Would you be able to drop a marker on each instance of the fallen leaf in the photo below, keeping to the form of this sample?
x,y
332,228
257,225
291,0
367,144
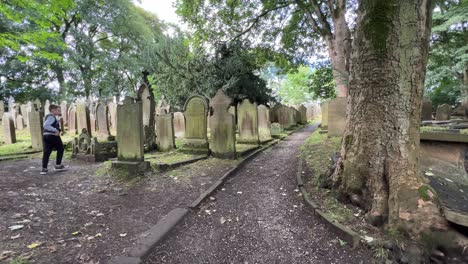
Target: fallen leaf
x,y
16,227
123,235
76,233
98,235
428,173
222,220
15,237
239,192
34,245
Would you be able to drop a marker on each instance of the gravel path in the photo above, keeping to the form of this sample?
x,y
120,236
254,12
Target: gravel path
x,y
258,217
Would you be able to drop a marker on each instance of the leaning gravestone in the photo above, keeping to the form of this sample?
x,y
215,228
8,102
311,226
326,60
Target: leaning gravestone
x,y
83,119
102,122
337,117
9,133
179,124
165,138
324,109
222,127
443,112
426,112
303,114
195,113
248,122
64,109
46,107
276,130
72,120
146,96
35,127
19,122
130,156
264,123
2,108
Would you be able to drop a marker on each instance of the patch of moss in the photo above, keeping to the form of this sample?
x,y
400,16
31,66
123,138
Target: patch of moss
x,y
437,239
424,193
103,169
433,128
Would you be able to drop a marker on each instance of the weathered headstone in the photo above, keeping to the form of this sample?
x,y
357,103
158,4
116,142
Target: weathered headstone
x,y
195,112
25,113
337,117
35,127
112,114
276,129
72,126
46,107
223,127
248,122
275,113
14,113
92,120
443,112
9,133
165,138
303,114
264,123
38,103
102,122
146,96
11,103
163,107
179,124
283,116
64,109
83,119
426,112
324,109
2,108
130,138
291,116
19,122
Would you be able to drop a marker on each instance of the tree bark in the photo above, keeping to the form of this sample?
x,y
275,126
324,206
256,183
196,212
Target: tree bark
x,y
379,164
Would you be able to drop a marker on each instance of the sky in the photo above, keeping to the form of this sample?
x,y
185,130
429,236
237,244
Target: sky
x,y
162,8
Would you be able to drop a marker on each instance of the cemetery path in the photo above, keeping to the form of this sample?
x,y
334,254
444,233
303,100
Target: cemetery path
x,y
258,217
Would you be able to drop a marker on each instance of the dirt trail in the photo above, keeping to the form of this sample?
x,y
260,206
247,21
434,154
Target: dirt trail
x,y
258,217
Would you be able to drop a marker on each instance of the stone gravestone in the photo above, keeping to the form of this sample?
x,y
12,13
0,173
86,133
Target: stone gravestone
x,y
35,126
291,117
264,123
303,114
72,120
163,107
195,113
9,133
223,127
19,122
426,112
92,120
179,124
165,138
248,122
64,109
102,122
443,112
146,96
2,108
14,113
275,112
297,116
276,130
46,107
112,114
11,103
283,116
233,112
130,139
337,117
83,119
324,109
25,113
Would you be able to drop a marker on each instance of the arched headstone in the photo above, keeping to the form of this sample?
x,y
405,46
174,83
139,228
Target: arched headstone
x,y
83,119
102,121
72,120
195,113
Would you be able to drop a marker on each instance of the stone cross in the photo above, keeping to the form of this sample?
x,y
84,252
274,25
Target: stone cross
x,y
9,133
222,127
248,122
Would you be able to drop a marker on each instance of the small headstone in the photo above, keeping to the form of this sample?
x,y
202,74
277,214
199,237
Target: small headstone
x,y
83,119
337,117
9,133
102,122
195,113
179,124
283,116
19,122
165,138
222,127
264,123
443,112
63,107
275,112
248,122
35,127
276,129
324,110
303,114
72,126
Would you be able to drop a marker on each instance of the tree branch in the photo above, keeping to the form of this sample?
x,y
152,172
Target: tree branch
x,y
321,17
312,20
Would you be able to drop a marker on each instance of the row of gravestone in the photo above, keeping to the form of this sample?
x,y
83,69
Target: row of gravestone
x,y
443,112
34,123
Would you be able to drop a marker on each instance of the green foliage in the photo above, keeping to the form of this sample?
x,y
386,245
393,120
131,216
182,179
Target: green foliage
x,y
322,84
448,58
295,88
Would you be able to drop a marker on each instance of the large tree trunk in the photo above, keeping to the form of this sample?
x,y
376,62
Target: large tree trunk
x,y
379,164
339,50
